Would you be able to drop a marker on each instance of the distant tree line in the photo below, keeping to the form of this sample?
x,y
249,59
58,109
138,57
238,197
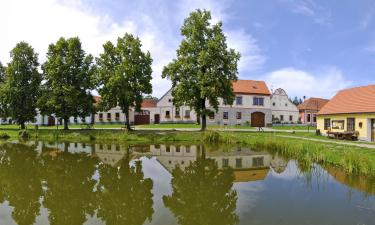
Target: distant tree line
x,y
201,73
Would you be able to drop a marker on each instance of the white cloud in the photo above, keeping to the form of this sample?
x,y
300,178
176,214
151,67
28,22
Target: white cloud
x,y
42,22
323,83
251,56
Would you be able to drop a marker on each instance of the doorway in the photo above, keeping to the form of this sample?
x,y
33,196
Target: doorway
x,y
257,119
156,118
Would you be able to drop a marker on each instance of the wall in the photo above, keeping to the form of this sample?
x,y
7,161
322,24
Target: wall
x,y
281,105
113,112
364,132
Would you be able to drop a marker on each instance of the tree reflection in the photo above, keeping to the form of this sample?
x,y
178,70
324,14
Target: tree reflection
x,y
124,194
20,183
69,194
202,194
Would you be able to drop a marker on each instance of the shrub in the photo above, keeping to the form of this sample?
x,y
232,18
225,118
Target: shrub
x,y
211,136
4,136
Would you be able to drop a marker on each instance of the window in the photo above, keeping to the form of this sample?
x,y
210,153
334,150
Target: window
x,y
211,115
75,120
239,163
167,114
169,100
177,148
177,113
117,116
351,124
258,161
281,117
273,104
168,149
84,119
258,101
225,115
327,123
108,116
117,147
290,118
239,115
286,105
225,162
314,118
338,124
308,117
100,116
238,100
187,149
187,113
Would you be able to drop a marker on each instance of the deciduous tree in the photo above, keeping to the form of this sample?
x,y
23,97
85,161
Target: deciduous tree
x,y
21,86
68,72
124,73
204,68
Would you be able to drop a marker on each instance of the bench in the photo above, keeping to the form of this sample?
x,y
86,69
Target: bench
x,y
346,135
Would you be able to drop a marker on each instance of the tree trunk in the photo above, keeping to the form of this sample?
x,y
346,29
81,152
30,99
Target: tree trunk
x,y
22,125
203,114
66,123
198,119
127,123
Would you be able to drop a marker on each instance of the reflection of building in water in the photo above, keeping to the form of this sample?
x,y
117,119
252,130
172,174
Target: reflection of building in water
x,y
248,165
63,146
278,164
362,183
109,154
171,155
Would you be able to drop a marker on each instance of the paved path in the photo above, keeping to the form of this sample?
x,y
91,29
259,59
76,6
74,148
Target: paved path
x,y
357,144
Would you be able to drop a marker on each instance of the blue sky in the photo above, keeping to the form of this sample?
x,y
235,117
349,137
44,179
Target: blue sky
x,y
309,48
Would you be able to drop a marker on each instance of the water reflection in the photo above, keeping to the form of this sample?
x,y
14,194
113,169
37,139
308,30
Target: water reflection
x,y
124,195
203,194
78,183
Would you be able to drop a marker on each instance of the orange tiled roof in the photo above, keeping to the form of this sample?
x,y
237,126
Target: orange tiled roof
x,y
351,100
250,87
148,103
312,104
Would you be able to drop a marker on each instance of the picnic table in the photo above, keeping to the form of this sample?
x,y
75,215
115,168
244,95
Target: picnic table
x,y
345,135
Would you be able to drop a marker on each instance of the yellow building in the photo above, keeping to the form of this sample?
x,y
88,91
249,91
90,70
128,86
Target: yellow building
x,y
351,109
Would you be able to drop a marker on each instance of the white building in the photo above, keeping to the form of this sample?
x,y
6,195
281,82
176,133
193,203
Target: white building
x,y
283,110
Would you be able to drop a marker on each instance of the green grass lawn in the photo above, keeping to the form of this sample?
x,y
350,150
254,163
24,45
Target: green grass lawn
x,y
294,128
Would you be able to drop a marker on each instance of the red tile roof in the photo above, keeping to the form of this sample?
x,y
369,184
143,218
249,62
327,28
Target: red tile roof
x,y
149,103
351,100
250,87
312,104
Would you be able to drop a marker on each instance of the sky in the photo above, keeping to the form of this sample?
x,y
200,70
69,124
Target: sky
x,y
310,48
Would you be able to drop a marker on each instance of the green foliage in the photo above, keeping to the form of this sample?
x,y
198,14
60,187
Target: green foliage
x,y
124,74
2,73
202,187
23,134
204,67
69,75
211,136
4,136
21,87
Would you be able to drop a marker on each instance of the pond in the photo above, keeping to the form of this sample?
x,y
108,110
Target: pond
x,y
187,184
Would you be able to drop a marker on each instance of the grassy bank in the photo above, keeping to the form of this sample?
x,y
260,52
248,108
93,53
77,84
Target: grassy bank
x,y
351,159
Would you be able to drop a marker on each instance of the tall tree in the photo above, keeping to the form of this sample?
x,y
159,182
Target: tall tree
x,y
295,100
124,73
68,72
2,73
21,87
204,68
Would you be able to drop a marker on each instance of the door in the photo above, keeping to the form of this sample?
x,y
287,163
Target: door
x,y
257,119
157,118
373,130
51,121
141,119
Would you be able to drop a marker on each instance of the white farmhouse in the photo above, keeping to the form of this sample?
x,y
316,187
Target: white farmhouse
x,y
283,110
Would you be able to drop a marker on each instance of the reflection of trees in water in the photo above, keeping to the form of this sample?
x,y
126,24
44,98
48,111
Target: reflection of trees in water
x,y
69,194
124,195
202,194
20,183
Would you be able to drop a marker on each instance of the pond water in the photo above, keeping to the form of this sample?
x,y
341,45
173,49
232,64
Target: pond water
x,y
76,183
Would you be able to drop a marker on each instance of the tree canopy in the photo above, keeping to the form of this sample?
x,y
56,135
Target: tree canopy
x,y
21,86
69,75
124,74
204,68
